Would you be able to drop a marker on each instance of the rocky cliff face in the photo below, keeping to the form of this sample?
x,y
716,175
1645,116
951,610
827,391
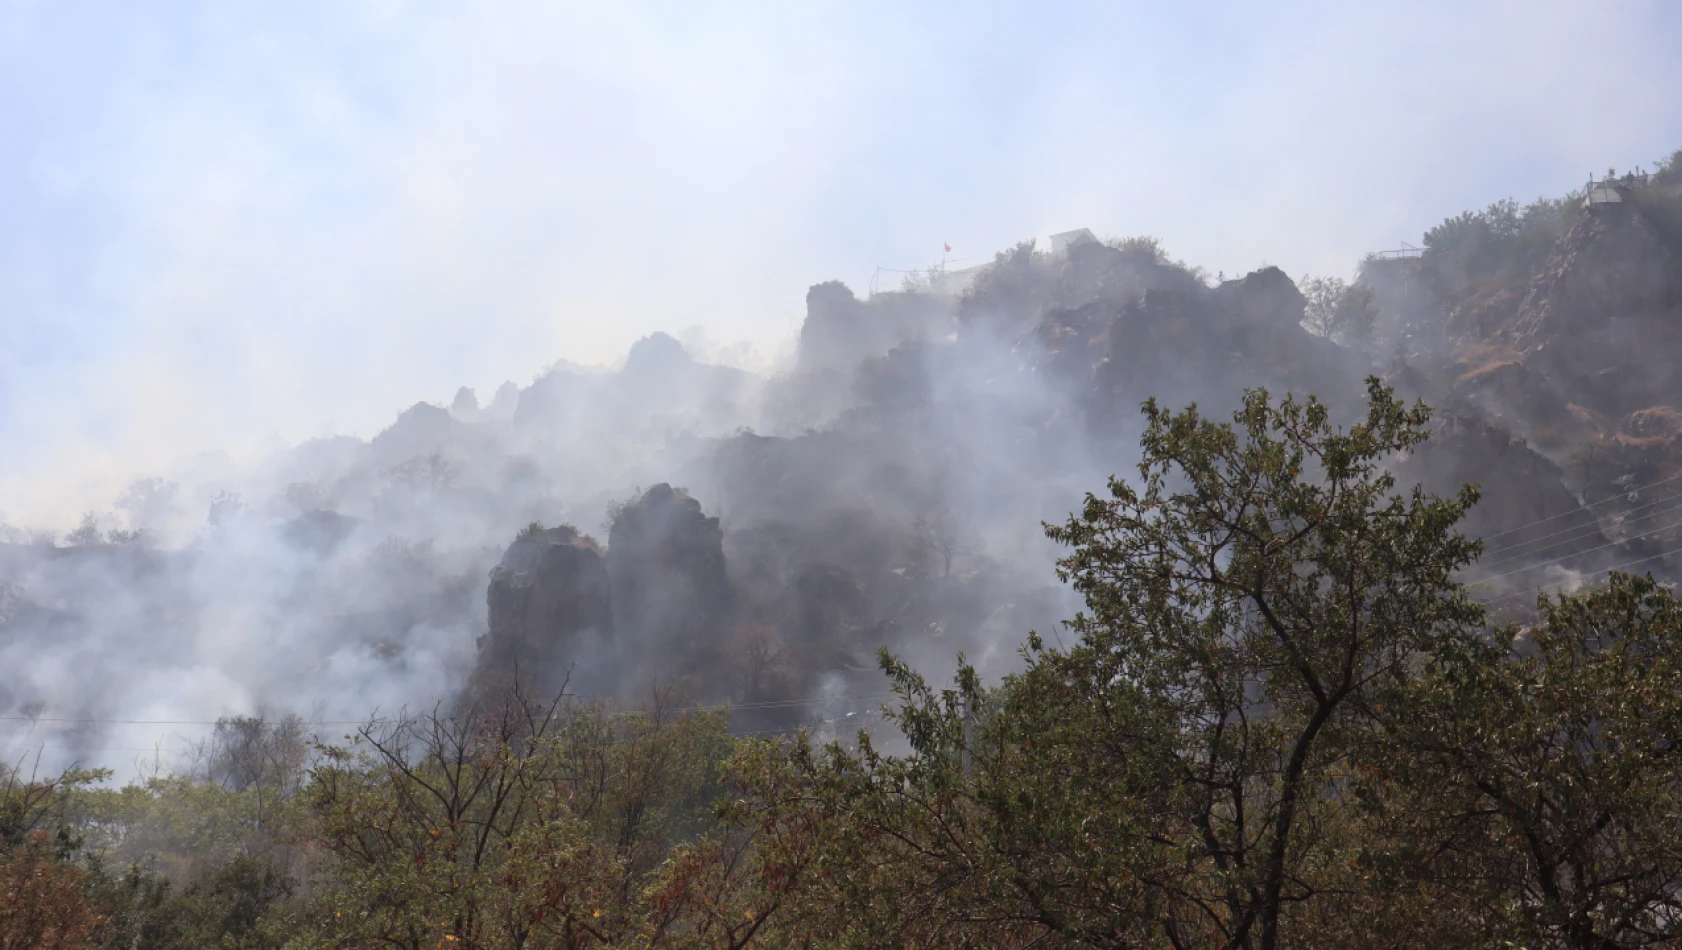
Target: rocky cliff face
x,y
653,609
893,494
670,591
1560,379
1208,347
1523,494
550,613
1593,336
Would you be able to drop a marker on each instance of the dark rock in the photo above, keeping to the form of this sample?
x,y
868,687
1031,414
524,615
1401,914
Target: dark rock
x,y
1523,495
1209,347
657,357
466,402
549,611
841,331
670,591
1266,297
421,429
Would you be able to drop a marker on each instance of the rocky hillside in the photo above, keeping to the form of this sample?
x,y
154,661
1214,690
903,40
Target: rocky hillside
x,y
1558,329
886,490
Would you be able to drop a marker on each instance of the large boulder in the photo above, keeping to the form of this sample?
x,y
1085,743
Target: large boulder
x,y
840,330
421,429
1208,347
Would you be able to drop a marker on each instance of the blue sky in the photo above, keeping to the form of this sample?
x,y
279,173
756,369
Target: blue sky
x,y
227,223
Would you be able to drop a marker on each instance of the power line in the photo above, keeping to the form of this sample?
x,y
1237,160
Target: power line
x,y
22,745
1583,508
1608,570
19,747
1591,527
1600,547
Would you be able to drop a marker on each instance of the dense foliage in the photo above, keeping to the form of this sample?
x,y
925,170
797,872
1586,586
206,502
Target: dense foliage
x,y
1503,240
1279,722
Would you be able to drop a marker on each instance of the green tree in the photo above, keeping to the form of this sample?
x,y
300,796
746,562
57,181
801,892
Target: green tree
x,y
1259,594
1547,780
1174,777
1347,313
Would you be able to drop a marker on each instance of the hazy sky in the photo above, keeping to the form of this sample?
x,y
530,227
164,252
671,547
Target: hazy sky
x,y
227,221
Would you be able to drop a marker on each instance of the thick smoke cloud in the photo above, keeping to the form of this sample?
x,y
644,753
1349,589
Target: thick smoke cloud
x,y
883,490
698,532
228,221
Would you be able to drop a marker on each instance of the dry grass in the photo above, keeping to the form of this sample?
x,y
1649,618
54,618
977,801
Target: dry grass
x,y
1480,359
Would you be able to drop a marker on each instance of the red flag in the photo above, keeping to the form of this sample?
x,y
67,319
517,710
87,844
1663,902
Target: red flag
x,y
948,248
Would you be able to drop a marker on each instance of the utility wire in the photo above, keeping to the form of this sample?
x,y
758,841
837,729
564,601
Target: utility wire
x,y
24,745
1591,527
21,747
1583,508
1608,570
1599,547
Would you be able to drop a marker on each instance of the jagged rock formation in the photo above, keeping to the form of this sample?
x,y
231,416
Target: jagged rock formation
x,y
1595,336
1568,350
420,430
1139,328
840,334
1611,289
609,407
466,404
670,591
841,331
913,450
1264,300
550,612
1181,348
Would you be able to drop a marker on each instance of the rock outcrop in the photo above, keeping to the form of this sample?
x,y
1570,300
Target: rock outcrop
x,y
1523,494
670,591
1591,337
1263,299
1558,379
550,613
1210,346
659,391
421,429
1603,322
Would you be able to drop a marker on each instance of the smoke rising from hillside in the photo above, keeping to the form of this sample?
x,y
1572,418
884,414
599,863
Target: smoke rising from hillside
x,y
884,490
726,536
224,223
895,473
